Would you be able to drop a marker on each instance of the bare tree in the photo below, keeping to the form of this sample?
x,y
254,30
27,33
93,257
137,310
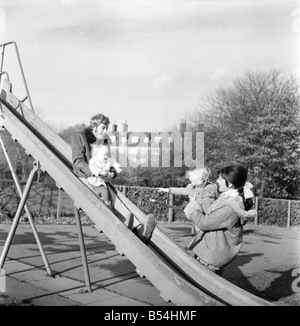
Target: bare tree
x,y
256,123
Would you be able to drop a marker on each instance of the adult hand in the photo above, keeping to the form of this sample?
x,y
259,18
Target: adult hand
x,y
109,177
190,208
188,211
252,213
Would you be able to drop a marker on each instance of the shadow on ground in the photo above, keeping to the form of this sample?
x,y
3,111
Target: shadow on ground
x,y
273,285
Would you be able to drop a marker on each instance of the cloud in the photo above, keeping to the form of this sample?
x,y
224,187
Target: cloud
x,y
221,73
66,2
91,31
163,80
98,21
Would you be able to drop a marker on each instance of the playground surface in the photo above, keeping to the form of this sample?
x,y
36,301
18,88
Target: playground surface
x,y
264,267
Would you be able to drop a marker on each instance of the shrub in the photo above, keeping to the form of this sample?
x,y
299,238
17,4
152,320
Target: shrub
x,y
43,200
272,212
295,212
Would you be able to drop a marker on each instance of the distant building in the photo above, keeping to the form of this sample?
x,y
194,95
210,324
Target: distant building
x,y
143,147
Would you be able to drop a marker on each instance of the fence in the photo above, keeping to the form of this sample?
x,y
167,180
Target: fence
x,y
46,200
281,212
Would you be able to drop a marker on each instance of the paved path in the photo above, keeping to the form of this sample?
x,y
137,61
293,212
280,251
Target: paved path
x,y
266,262
114,280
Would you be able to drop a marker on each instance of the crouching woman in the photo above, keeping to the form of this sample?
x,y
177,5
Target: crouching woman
x,y
222,226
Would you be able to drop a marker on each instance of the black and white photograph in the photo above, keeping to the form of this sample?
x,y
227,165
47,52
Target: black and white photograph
x,y
149,156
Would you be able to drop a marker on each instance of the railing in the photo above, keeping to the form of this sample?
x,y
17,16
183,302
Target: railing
x,y
3,46
284,202
290,206
289,203
171,201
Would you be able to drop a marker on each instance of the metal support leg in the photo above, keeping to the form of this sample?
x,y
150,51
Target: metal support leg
x,y
83,251
34,230
18,214
59,202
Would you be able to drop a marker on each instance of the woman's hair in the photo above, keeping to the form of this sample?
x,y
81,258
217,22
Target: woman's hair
x,y
97,119
203,173
237,176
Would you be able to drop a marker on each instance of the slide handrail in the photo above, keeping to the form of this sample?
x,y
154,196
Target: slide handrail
x,y
3,46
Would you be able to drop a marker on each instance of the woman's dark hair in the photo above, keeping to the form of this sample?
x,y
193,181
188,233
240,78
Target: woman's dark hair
x,y
237,176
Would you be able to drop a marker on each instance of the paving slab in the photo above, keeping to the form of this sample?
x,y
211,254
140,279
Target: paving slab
x,y
113,277
34,295
273,252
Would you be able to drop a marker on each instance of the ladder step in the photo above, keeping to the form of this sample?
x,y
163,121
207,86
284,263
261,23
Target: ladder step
x,y
165,296
119,251
141,274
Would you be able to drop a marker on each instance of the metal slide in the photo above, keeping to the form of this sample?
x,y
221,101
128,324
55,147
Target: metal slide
x,y
53,155
177,275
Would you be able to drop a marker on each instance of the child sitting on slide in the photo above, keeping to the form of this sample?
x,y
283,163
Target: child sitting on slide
x,y
100,165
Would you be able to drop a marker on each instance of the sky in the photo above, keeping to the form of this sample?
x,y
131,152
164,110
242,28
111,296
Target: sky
x,y
148,63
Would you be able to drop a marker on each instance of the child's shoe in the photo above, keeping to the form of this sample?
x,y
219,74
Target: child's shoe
x,y
149,225
144,231
129,221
